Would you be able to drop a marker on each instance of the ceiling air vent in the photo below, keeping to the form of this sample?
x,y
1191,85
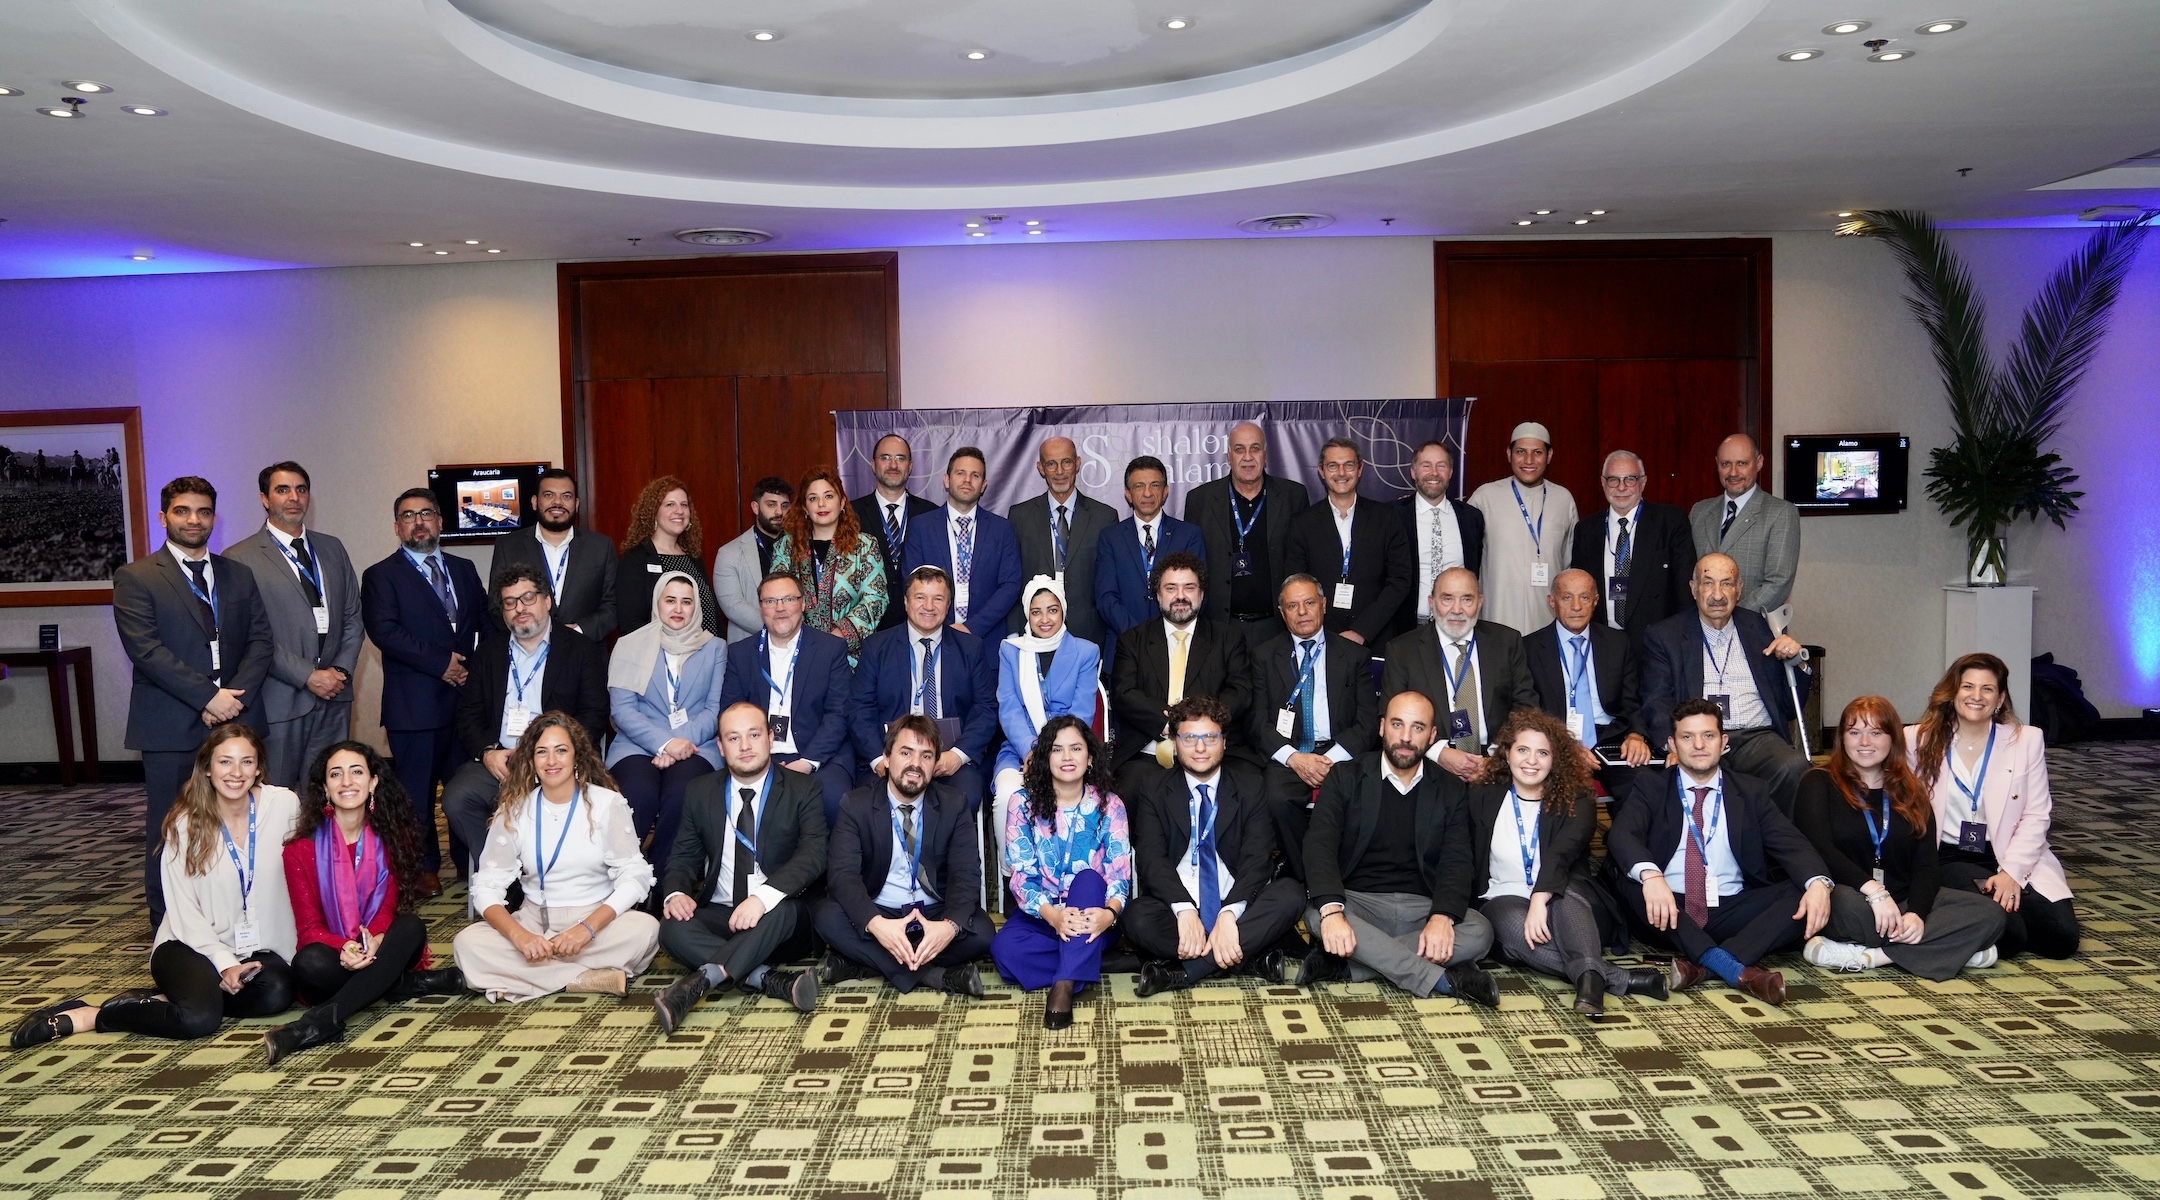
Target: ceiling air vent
x,y
1287,223
723,237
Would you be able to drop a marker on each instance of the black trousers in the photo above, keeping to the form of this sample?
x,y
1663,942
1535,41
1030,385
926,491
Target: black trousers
x,y
325,983
1153,928
194,1004
705,937
422,759
839,931
2041,926
164,772
1749,925
656,798
1289,803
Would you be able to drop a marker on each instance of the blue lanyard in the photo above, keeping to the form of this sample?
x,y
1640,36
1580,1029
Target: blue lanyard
x,y
307,569
541,866
1537,531
1305,674
247,881
1724,667
1979,777
764,654
1469,660
1344,574
1709,830
556,573
1526,840
899,837
1878,836
539,663
928,687
210,597
672,683
1245,526
735,827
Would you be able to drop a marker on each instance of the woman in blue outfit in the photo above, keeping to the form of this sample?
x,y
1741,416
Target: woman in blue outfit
x,y
1072,869
1043,672
664,694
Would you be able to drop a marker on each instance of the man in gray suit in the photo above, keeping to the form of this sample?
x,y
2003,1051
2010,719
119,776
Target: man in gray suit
x,y
312,596
1058,531
1749,525
1244,521
740,565
580,566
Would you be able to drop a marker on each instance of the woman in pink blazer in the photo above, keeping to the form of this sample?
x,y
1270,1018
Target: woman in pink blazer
x,y
1988,776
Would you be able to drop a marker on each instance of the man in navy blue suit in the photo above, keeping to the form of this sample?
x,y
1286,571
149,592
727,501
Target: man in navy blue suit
x,y
800,677
974,547
926,667
423,609
1125,559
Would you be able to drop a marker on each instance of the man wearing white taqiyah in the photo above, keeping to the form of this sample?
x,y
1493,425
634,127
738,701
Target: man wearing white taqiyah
x,y
1529,527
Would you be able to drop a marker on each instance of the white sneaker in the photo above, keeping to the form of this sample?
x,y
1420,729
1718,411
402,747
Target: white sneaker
x,y
1986,958
1835,956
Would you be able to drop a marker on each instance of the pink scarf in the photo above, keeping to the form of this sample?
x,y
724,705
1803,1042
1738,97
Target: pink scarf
x,y
338,873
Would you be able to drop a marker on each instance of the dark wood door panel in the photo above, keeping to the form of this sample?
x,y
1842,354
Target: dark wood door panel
x,y
641,429
1562,396
1542,308
1672,412
810,322
784,425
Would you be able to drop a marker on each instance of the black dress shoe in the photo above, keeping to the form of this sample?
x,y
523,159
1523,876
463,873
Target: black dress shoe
x,y
1321,967
1058,1009
45,1025
319,1026
442,981
1590,994
1474,984
1647,981
1267,968
798,988
672,1003
1161,977
836,967
965,980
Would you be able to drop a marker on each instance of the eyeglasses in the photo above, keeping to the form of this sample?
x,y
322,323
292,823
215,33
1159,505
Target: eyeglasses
x,y
527,600
1339,468
1624,480
779,601
424,514
895,458
1198,741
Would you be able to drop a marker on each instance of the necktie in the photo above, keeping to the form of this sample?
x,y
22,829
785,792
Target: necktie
x,y
1579,697
928,696
1210,881
1623,558
1732,509
1164,749
307,580
1698,871
893,531
965,568
202,589
907,847
1064,536
1432,564
745,838
442,589
1147,535
1305,700
1465,697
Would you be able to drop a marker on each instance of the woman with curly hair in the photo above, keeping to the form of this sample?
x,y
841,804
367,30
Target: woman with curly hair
x,y
1070,854
823,547
563,833
664,535
1532,811
350,868
224,947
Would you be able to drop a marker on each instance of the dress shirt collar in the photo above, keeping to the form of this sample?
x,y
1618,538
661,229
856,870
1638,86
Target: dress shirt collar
x,y
1395,781
1741,501
1193,783
915,638
1151,525
953,507
1715,783
181,555
284,538
1170,632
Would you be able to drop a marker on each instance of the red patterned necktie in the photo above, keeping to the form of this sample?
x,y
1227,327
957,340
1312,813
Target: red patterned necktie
x,y
1698,872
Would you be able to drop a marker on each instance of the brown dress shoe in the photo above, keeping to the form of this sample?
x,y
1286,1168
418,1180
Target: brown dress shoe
x,y
1686,973
430,885
1766,986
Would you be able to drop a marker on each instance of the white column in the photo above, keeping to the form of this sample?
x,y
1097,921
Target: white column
x,y
1997,621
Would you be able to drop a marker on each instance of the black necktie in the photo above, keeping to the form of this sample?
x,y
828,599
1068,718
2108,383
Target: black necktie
x,y
307,572
198,569
1064,536
746,837
1732,509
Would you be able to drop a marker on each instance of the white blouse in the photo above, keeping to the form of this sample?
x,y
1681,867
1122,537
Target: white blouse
x,y
599,863
201,910
1505,865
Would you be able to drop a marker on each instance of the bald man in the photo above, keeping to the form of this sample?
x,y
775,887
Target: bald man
x,y
1723,652
1244,520
1472,669
1758,531
1587,675
1058,532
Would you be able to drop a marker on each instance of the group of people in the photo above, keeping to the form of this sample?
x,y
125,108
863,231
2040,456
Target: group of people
x,y
1394,723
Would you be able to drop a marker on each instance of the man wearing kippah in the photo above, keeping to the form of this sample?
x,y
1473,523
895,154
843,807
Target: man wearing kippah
x,y
1529,524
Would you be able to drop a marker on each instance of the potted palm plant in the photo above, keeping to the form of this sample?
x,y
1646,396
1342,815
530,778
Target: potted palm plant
x,y
1998,466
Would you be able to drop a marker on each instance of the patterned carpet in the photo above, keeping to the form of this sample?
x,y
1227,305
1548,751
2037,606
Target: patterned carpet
x,y
2029,1080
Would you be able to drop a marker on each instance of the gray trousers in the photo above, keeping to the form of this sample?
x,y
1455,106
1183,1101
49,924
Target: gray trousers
x,y
1387,925
295,743
1772,759
1960,925
468,804
1573,950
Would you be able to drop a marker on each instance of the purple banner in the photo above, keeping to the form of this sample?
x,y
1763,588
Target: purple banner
x,y
1192,440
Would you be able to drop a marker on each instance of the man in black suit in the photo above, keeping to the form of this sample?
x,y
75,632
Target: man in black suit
x,y
1058,532
886,511
752,843
1587,676
193,626
1355,547
538,666
1639,553
1203,851
1725,654
1444,532
901,891
1472,670
1161,662
1313,709
580,568
1689,853
1244,521
1391,861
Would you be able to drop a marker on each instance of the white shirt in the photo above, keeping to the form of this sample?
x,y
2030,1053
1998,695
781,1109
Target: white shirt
x,y
1404,788
961,586
1444,705
1505,867
901,889
531,670
1145,531
1062,558
558,559
780,662
209,572
771,896
1323,729
1612,546
1188,867
1568,645
1736,679
201,910
1719,865
1451,547
600,861
1342,521
916,691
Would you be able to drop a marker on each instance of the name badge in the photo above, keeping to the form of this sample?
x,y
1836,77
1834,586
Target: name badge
x,y
1724,705
1972,836
245,939
1710,896
1618,586
677,718
1343,593
1879,876
778,723
1240,564
1540,574
1578,723
1458,724
652,568
217,659
322,619
515,719
1285,722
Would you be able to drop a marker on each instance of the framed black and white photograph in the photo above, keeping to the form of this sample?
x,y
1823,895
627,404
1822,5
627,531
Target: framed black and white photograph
x,y
71,503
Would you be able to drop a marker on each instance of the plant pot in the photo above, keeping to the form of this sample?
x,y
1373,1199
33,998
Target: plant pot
x,y
1990,562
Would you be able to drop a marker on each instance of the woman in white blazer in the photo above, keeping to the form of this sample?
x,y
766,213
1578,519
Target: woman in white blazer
x,y
1988,777
226,945
664,697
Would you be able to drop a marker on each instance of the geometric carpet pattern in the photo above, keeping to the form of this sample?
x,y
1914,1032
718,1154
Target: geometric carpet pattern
x,y
2033,1079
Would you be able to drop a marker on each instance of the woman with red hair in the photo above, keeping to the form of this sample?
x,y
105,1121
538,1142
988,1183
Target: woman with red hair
x,y
824,548
1873,823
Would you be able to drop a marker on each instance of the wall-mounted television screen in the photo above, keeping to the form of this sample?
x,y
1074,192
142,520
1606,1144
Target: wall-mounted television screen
x,y
1827,473
481,501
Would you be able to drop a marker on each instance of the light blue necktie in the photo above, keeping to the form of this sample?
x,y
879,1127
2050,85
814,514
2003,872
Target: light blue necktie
x,y
1579,697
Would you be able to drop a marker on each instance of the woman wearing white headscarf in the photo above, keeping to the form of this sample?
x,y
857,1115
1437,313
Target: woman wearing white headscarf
x,y
664,694
1043,672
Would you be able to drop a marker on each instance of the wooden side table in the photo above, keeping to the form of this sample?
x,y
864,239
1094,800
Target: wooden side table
x,y
55,664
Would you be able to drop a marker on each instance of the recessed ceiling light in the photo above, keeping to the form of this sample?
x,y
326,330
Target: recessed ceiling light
x,y
61,112
1035,233
1844,214
973,224
143,110
142,256
442,252
472,241
1541,212
764,35
1841,27
8,91
85,85
1582,220
976,55
1178,23
417,245
1800,55
1032,224
1597,212
1892,55
979,233
1949,26
494,251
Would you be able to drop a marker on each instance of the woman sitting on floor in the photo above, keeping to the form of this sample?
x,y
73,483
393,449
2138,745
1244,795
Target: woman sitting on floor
x,y
1531,816
1070,854
227,937
1873,824
1043,672
564,834
350,868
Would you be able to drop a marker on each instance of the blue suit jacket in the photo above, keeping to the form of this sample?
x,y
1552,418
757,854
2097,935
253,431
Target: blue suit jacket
x,y
1673,671
993,578
1123,598
404,618
641,718
823,685
1075,675
967,688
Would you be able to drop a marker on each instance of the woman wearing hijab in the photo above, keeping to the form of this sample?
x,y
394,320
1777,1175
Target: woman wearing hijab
x,y
1043,672
664,695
